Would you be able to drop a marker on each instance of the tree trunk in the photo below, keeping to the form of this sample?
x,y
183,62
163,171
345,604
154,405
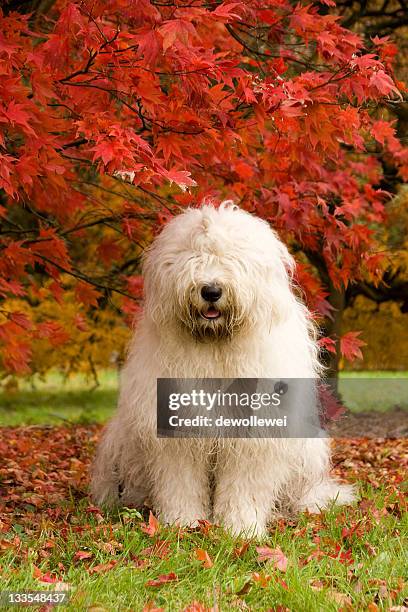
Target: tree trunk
x,y
332,328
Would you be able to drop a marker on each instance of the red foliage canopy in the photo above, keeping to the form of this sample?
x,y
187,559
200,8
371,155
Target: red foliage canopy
x,y
270,103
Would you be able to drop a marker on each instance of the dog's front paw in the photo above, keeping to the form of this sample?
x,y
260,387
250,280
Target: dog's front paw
x,y
182,519
239,526
326,493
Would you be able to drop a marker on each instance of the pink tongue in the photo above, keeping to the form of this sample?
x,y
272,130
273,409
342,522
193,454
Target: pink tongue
x,y
212,313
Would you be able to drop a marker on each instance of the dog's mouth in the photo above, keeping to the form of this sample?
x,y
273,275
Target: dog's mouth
x,y
210,314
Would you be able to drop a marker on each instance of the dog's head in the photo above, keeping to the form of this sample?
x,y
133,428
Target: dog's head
x,y
216,272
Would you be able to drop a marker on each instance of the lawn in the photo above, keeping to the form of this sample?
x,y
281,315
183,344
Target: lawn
x,y
52,537
56,400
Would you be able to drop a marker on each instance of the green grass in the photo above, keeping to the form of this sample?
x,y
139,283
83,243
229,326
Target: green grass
x,y
56,400
379,391
377,565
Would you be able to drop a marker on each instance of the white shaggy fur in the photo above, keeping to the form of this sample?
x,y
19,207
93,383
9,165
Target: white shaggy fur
x,y
264,332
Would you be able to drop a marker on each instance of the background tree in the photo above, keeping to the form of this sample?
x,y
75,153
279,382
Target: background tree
x,y
115,115
382,305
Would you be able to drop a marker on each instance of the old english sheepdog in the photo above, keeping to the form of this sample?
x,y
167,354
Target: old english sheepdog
x,y
219,303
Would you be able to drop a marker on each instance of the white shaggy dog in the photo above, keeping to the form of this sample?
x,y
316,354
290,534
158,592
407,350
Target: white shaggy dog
x,y
218,304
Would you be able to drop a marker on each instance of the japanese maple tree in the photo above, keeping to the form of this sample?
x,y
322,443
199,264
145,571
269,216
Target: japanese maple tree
x,y
114,115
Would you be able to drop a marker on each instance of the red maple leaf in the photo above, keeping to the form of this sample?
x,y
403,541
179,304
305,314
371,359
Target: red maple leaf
x,y
182,178
87,294
384,84
328,344
350,345
382,131
152,527
17,113
103,567
203,556
163,579
273,555
176,29
46,577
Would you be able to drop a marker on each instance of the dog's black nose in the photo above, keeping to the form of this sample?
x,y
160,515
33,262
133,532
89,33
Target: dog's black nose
x,y
211,293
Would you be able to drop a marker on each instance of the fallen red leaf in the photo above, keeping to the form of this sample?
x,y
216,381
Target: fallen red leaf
x,y
163,579
372,551
274,555
161,549
80,555
343,556
244,589
102,568
152,527
204,526
261,579
340,598
202,555
196,606
47,578
240,551
151,607
139,563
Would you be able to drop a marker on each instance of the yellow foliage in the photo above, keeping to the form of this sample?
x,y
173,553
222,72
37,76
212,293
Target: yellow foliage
x,y
397,232
384,326
384,330
87,341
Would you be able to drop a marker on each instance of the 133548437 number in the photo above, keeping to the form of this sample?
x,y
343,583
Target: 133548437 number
x,y
33,597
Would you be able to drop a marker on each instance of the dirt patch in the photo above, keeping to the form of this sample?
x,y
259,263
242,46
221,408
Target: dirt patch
x,y
391,424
